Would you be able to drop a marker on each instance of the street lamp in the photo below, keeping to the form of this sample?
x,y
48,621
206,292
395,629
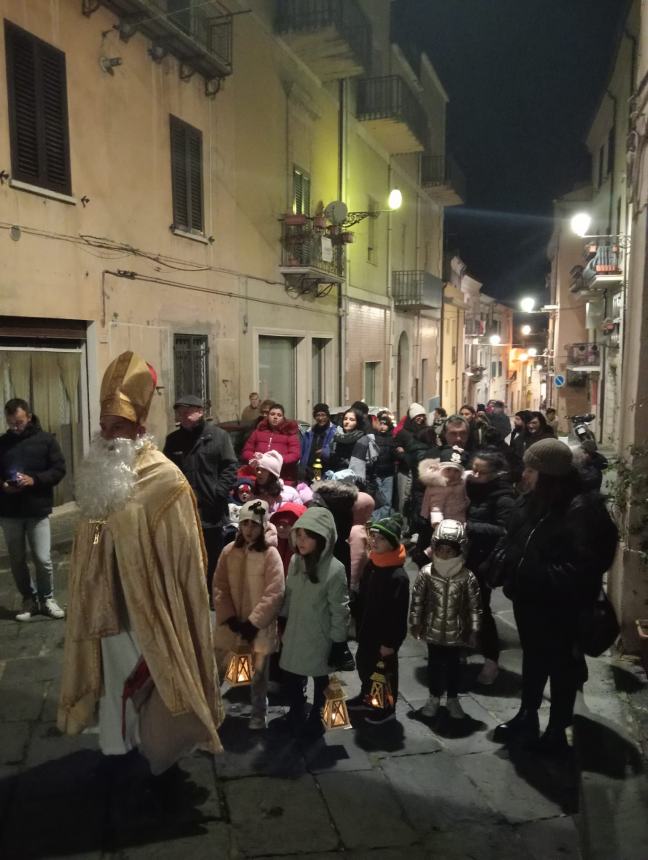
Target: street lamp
x,y
523,356
395,199
494,340
526,330
580,223
527,304
532,351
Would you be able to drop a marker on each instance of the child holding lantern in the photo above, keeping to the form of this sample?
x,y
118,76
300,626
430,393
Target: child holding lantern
x,y
316,613
248,591
446,613
382,621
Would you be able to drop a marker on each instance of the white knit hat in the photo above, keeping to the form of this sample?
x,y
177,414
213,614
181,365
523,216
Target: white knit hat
x,y
271,460
255,510
416,409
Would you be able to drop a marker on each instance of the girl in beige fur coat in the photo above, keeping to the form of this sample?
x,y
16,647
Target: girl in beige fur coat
x,y
248,593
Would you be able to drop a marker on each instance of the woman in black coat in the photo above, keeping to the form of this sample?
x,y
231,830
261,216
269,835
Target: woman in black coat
x,y
536,429
491,503
560,542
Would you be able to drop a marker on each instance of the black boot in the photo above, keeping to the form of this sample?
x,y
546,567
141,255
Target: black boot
x,y
523,726
552,743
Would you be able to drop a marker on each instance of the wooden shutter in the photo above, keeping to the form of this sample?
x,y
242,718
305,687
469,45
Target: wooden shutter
x,y
301,192
186,176
38,113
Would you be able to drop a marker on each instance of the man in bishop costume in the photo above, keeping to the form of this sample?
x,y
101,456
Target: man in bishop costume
x,y
138,650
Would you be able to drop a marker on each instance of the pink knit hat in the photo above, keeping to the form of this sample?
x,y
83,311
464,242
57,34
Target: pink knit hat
x,y
271,460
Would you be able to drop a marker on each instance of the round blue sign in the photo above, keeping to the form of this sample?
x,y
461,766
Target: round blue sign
x,y
559,380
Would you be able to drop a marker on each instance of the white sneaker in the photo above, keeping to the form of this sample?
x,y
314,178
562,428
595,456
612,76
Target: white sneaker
x,y
455,710
29,609
258,723
51,608
431,707
489,672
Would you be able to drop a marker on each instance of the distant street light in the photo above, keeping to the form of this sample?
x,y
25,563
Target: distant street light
x,y
527,304
580,223
395,199
526,330
524,356
494,339
532,351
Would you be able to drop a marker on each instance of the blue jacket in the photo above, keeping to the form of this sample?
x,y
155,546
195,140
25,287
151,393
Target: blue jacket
x,y
307,444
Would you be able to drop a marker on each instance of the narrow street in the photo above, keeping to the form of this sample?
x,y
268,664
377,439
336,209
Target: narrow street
x,y
406,789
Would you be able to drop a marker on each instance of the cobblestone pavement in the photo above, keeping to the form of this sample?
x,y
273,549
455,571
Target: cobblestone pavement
x,y
408,789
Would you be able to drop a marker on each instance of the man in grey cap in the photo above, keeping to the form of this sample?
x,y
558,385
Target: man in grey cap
x,y
204,453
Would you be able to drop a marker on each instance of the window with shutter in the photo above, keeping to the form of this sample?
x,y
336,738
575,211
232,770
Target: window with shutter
x,y
190,366
38,113
301,192
186,176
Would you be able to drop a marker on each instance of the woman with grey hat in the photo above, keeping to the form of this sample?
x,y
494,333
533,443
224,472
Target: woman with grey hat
x,y
560,542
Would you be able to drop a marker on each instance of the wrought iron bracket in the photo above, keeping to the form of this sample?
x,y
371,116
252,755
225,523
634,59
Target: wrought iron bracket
x,y
356,217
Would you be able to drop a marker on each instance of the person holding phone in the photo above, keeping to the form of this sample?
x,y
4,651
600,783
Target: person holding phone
x,y
31,465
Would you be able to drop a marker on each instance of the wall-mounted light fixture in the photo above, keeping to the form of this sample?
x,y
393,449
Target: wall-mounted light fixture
x,y
109,64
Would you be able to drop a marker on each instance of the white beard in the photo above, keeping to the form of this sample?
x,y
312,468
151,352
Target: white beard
x,y
106,479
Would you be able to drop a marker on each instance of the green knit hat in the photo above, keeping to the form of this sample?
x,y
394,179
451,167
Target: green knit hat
x,y
389,527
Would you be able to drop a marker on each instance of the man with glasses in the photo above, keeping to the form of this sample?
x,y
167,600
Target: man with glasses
x,y
31,465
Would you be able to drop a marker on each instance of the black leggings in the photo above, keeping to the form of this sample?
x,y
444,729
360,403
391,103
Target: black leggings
x,y
367,656
295,686
444,670
549,653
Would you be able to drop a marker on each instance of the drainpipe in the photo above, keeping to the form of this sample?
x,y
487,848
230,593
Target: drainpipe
x,y
342,291
614,101
441,346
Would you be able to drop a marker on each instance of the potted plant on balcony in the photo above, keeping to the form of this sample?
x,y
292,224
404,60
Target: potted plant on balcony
x,y
295,220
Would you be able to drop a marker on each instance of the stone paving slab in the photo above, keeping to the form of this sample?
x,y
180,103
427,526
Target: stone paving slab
x,y
255,753
477,842
366,810
554,837
436,793
279,816
461,737
515,797
214,842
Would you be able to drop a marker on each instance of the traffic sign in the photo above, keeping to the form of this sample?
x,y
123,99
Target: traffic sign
x,y
559,380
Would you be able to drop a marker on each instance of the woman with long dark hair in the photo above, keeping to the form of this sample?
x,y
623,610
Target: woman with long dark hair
x,y
537,429
560,542
353,450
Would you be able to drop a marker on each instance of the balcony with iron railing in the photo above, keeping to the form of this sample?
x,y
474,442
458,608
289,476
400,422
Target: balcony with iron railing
x,y
416,290
332,37
584,357
197,32
391,111
604,266
311,253
443,179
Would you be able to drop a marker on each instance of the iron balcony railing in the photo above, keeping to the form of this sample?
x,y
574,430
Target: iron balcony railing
x,y
583,355
307,247
312,16
443,170
417,289
605,261
197,32
389,97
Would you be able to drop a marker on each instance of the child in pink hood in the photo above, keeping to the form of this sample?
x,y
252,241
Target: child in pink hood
x,y
445,492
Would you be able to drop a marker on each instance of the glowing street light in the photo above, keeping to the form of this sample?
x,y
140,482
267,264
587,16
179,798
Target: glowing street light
x,y
494,340
395,199
580,223
526,330
524,356
532,351
527,304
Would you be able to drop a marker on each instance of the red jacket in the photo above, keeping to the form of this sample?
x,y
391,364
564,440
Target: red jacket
x,y
284,439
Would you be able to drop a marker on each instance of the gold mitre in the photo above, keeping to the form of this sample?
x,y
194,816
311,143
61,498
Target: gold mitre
x,y
127,387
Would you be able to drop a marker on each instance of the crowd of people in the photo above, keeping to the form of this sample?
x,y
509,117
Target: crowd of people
x,y
298,544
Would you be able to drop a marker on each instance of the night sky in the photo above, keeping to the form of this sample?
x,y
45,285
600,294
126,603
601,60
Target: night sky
x,y
524,78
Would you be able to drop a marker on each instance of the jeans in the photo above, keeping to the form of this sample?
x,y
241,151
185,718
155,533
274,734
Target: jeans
x,y
385,488
35,531
444,670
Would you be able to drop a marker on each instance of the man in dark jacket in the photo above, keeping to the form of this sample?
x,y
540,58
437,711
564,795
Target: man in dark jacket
x,y
500,420
31,465
317,443
204,453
